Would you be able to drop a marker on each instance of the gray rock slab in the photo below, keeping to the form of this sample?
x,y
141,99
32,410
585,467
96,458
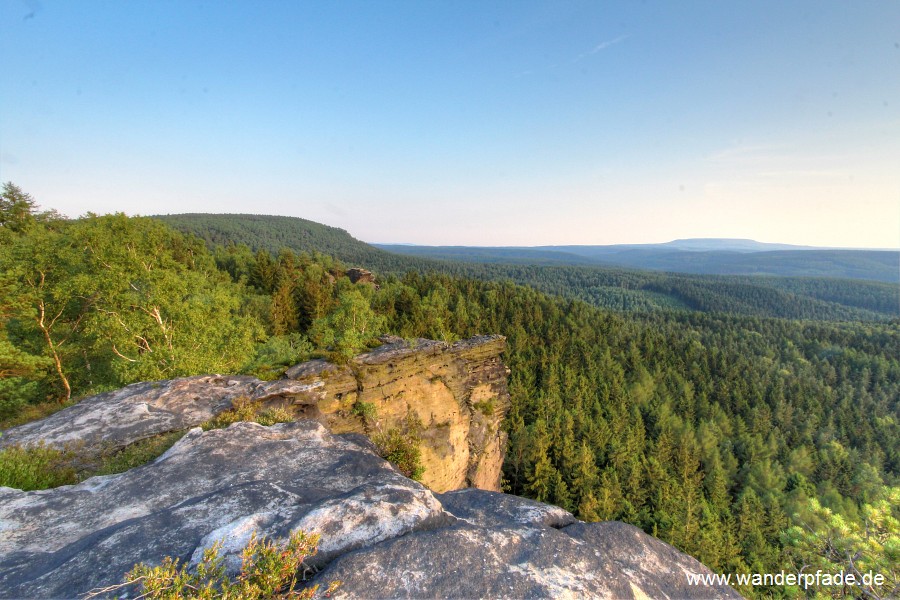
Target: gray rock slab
x,y
516,556
116,419
487,509
220,484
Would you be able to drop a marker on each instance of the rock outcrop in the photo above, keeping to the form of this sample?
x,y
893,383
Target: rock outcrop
x,y
508,547
358,275
456,391
383,535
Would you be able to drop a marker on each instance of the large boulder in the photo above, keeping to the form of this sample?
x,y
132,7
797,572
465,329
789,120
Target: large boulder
x,y
220,484
508,547
383,535
111,421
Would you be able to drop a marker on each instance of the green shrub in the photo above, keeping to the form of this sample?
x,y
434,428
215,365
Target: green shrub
x,y
271,416
268,571
244,409
272,358
35,468
350,328
41,467
30,412
400,447
367,411
485,407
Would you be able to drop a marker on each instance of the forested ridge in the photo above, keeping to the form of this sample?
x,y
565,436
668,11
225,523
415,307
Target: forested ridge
x,y
737,437
866,265
608,287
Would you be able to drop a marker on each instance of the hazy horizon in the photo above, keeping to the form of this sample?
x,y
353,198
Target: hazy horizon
x,y
885,249
637,243
469,124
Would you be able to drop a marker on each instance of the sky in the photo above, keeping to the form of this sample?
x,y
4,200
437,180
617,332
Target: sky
x,y
465,123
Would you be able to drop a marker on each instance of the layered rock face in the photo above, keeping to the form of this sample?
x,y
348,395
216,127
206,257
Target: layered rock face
x,y
383,535
457,392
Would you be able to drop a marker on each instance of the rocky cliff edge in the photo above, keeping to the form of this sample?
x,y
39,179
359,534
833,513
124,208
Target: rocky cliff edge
x,y
456,392
383,535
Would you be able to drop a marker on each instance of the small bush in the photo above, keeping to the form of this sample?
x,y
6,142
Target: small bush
x,y
400,447
41,467
35,468
485,407
29,412
367,411
275,355
244,409
271,416
267,571
135,455
15,395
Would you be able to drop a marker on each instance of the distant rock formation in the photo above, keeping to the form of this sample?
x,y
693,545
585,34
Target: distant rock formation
x,y
457,391
358,275
383,535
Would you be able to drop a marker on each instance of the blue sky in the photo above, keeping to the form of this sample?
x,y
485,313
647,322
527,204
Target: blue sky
x,y
502,123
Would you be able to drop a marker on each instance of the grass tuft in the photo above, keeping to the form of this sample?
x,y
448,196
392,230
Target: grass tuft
x,y
36,468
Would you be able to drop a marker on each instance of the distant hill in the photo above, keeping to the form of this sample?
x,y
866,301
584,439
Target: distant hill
x,y
574,276
730,244
701,257
272,233
689,244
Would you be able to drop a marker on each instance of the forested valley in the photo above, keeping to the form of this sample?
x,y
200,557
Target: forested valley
x,y
749,425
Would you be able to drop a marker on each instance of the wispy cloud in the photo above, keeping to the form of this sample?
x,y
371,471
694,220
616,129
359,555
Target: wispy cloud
x,y
601,46
608,43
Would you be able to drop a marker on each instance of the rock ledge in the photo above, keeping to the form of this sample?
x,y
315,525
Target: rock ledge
x,y
383,535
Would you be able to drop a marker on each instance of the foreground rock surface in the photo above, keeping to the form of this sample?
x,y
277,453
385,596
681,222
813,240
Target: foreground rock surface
x,y
510,547
456,391
383,535
208,486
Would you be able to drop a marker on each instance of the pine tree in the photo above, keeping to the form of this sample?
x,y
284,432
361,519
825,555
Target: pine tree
x,y
283,310
542,480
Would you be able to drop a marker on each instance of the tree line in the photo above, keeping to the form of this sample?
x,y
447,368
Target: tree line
x,y
733,437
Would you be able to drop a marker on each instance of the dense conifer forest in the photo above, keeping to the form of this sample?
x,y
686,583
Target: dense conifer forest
x,y
742,420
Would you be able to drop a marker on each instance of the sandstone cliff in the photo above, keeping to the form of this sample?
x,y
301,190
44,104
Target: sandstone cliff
x,y
456,391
